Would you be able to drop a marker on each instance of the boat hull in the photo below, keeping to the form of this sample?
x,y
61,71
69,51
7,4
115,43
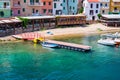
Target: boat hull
x,y
107,42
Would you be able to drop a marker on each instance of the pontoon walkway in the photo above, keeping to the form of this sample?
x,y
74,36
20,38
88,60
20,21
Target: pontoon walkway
x,y
71,46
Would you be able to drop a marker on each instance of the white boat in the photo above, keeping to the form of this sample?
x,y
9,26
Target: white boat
x,y
50,45
117,40
108,42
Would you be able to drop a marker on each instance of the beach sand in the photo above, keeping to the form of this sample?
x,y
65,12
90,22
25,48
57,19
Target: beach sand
x,y
58,33
92,29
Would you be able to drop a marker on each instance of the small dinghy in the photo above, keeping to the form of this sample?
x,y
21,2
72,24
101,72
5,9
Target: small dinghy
x,y
50,45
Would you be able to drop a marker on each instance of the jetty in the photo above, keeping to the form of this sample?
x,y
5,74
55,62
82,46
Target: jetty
x,y
70,46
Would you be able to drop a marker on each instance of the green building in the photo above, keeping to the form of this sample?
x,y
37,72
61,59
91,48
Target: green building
x,y
5,10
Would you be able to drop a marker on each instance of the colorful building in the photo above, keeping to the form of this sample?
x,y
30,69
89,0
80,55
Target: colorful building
x,y
16,7
47,8
104,4
91,9
115,6
70,6
5,10
57,7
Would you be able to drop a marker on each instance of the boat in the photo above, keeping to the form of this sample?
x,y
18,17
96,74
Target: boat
x,y
50,45
117,40
108,42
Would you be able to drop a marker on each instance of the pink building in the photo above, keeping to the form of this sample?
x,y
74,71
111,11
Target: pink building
x,y
16,7
47,7
26,7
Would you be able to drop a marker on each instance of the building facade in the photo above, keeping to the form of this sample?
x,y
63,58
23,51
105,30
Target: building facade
x,y
5,9
57,7
104,6
91,9
16,7
47,8
70,6
115,6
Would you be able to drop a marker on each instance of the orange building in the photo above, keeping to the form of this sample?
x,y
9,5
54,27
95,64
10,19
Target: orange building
x,y
47,7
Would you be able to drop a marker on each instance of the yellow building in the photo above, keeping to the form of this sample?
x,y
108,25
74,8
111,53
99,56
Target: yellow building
x,y
115,6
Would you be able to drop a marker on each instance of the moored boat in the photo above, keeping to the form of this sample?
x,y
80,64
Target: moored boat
x,y
108,42
50,45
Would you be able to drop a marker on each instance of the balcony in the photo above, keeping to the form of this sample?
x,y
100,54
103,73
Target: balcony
x,y
5,7
35,4
16,5
115,11
35,14
104,7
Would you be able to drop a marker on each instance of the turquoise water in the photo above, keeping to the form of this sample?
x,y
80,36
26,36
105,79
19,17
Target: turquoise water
x,y
26,61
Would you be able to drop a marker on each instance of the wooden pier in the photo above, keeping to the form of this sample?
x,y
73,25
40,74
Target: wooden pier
x,y
70,46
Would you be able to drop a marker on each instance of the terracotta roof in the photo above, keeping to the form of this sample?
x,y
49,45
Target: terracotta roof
x,y
93,0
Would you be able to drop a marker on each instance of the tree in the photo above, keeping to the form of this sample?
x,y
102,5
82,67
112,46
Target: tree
x,y
81,10
99,15
24,21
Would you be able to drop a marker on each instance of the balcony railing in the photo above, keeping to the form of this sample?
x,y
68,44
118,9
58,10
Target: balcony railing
x,y
35,4
5,7
116,11
16,5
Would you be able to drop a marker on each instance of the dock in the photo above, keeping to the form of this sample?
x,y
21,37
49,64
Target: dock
x,y
70,46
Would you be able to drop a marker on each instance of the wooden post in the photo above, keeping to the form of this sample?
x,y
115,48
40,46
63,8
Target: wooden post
x,y
14,28
49,23
33,25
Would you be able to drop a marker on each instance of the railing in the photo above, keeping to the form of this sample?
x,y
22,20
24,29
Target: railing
x,y
35,4
16,5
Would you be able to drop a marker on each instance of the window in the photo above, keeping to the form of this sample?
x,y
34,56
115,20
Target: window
x,y
61,4
101,4
63,8
103,11
49,3
18,2
50,10
91,5
36,11
23,9
73,8
33,10
18,11
24,1
54,5
97,6
37,1
44,10
91,12
73,0
96,11
106,5
63,0
44,3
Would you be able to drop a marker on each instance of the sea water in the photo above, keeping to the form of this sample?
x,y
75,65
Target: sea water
x,y
28,61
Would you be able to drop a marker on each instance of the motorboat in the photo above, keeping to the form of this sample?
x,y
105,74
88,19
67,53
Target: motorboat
x,y
50,45
117,40
108,42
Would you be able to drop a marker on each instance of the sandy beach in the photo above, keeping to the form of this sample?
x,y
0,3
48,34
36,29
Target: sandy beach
x,y
92,29
59,33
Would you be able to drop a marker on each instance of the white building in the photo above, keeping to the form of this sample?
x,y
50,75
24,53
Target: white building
x,y
57,7
91,9
104,4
